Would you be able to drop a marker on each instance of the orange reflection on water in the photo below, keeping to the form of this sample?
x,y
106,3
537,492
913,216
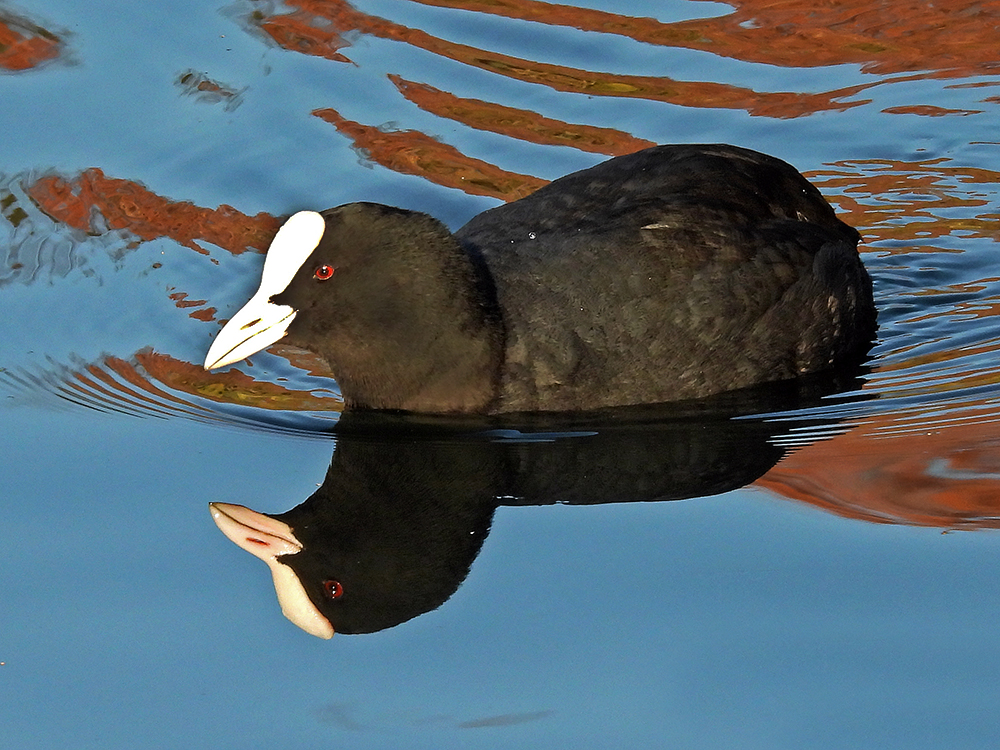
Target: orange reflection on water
x,y
123,204
24,45
413,152
957,38
339,16
895,38
927,467
298,32
912,201
231,386
909,375
95,204
518,123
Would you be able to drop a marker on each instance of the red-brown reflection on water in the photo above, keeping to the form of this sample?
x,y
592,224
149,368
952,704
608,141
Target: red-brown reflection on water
x,y
913,201
317,27
91,199
955,39
929,466
25,45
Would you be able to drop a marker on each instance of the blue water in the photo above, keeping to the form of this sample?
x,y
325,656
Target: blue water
x,y
742,619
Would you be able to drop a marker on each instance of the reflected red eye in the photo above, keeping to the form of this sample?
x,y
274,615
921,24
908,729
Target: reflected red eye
x,y
323,272
333,589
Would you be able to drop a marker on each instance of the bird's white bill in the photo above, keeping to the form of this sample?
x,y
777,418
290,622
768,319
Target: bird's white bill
x,y
260,323
268,539
256,326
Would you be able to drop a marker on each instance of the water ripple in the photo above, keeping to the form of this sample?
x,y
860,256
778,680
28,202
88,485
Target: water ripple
x,y
150,385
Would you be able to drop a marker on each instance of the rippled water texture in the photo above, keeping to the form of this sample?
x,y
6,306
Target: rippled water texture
x,y
149,154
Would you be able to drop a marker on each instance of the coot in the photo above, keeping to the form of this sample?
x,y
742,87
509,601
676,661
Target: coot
x,y
675,272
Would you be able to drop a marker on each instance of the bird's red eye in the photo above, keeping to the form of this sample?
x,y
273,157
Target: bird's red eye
x,y
323,272
333,589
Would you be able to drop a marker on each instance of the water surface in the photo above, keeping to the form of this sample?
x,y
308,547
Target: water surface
x,y
845,597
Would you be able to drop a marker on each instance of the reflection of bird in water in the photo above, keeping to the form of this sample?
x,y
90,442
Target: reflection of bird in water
x,y
407,503
390,534
675,272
